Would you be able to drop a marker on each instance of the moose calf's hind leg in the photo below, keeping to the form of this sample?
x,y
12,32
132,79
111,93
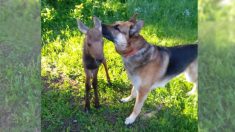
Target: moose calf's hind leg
x,y
94,84
87,94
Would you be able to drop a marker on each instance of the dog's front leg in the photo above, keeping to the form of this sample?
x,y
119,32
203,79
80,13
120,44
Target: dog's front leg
x,y
130,97
141,97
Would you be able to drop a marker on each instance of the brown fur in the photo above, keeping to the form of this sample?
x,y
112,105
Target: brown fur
x,y
93,43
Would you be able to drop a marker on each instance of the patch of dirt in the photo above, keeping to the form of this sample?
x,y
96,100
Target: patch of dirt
x,y
5,50
46,85
75,102
110,117
5,118
73,124
152,113
47,82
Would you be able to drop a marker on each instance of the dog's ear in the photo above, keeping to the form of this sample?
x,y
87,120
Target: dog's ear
x,y
133,18
97,23
135,29
83,28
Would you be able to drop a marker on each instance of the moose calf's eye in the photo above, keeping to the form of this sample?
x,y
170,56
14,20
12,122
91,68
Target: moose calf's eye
x,y
89,44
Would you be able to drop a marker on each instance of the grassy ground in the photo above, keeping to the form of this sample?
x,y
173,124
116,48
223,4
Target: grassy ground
x,y
167,23
20,83
216,55
216,93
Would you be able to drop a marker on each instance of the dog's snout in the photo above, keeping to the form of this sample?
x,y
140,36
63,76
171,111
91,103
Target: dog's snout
x,y
99,60
107,33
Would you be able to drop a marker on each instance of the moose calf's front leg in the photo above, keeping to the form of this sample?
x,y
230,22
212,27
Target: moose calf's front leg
x,y
87,94
141,97
94,84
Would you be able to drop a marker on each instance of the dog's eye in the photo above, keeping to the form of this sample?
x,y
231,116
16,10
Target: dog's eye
x,y
116,27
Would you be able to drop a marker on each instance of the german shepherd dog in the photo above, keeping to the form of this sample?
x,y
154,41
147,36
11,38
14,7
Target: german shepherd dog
x,y
93,56
149,66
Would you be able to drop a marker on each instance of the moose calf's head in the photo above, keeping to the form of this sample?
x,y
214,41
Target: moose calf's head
x,y
93,44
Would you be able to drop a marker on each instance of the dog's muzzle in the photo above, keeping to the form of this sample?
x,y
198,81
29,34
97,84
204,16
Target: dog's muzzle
x,y
106,33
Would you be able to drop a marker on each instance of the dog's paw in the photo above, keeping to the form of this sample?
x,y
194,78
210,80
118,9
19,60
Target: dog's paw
x,y
192,92
129,120
124,100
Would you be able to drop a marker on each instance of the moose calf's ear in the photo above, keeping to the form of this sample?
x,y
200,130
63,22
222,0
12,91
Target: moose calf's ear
x,y
83,28
137,27
97,23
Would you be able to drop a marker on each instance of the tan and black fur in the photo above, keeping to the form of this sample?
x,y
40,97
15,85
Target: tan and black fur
x,y
149,66
93,56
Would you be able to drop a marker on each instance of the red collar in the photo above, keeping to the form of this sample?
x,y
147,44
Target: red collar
x,y
130,53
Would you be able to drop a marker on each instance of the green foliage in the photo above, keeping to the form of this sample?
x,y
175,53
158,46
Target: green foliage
x,y
167,23
216,10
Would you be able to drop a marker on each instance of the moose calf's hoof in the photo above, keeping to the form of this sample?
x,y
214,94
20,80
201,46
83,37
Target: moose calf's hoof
x,y
97,106
87,109
109,83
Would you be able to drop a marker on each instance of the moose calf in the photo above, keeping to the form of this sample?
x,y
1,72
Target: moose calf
x,y
93,56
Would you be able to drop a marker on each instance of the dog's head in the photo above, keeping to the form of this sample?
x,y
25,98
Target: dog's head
x,y
121,32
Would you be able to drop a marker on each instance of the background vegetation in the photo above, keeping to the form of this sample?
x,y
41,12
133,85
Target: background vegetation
x,y
216,67
20,85
167,23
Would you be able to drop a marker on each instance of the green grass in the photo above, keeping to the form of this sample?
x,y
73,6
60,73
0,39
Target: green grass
x,y
216,55
167,23
20,84
216,88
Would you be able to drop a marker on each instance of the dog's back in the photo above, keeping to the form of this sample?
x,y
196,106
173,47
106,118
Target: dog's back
x,y
180,57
